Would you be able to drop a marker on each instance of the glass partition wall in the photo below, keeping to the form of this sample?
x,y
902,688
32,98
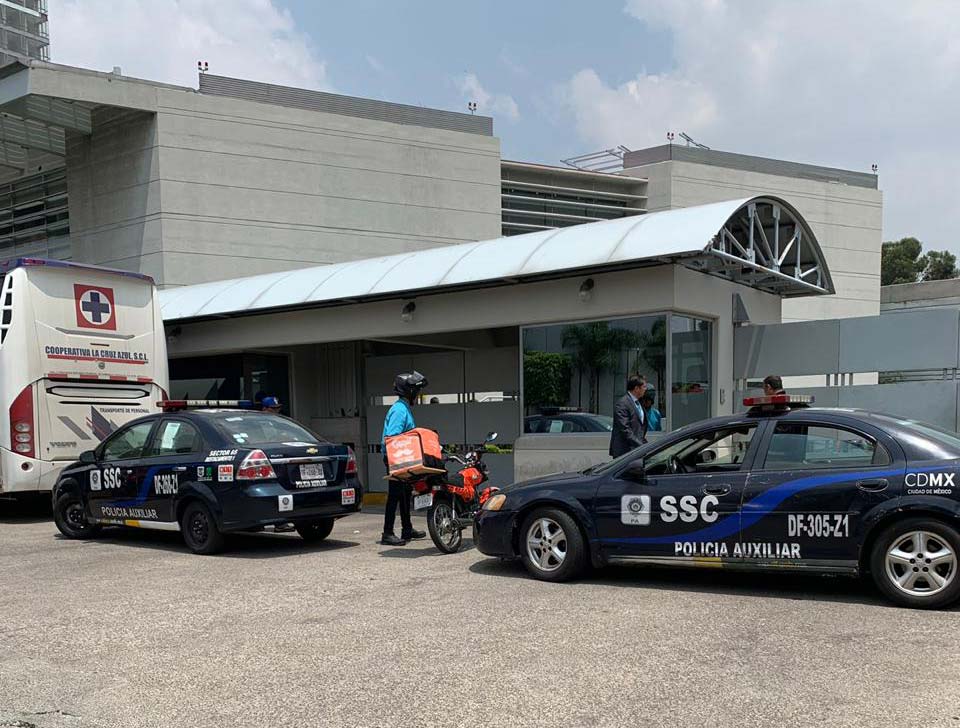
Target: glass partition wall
x,y
573,373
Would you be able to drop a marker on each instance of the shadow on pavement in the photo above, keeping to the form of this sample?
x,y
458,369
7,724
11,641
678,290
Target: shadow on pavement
x,y
25,509
237,546
420,548
806,587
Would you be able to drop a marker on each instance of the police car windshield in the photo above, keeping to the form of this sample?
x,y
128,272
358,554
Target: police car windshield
x,y
258,428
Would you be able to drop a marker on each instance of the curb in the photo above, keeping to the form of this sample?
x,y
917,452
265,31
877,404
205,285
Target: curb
x,y
374,499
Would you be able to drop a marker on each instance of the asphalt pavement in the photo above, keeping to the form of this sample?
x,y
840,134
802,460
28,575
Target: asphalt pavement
x,y
133,630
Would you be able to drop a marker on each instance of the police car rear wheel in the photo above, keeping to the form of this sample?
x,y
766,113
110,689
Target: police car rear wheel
x,y
315,530
71,519
551,546
200,531
915,563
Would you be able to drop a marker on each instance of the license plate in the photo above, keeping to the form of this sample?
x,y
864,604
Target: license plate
x,y
423,501
311,472
348,496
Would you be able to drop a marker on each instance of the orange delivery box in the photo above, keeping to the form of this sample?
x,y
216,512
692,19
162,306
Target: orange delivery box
x,y
415,452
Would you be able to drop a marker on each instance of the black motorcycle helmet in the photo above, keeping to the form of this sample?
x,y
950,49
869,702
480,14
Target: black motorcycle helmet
x,y
409,385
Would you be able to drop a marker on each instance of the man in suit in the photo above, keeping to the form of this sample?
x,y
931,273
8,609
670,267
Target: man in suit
x,y
629,421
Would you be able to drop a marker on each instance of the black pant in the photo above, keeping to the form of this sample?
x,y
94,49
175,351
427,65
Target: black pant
x,y
398,493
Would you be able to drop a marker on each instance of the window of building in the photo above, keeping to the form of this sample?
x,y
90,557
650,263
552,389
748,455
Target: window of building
x,y
578,371
691,342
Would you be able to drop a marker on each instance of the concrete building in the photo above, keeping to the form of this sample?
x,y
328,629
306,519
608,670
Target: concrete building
x,y
240,177
659,294
33,192
541,197
191,185
923,296
844,209
311,245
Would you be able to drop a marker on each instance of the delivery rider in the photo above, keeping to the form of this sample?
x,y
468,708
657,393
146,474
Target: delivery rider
x,y
400,419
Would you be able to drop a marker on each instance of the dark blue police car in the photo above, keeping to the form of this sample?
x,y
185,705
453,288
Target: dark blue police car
x,y
782,486
205,472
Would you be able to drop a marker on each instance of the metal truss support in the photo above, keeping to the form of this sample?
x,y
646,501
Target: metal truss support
x,y
748,249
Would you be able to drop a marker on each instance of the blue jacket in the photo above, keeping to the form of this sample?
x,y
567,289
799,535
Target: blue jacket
x,y
399,419
653,419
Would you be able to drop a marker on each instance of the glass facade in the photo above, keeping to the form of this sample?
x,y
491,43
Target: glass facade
x,y
232,376
23,30
692,366
34,219
574,373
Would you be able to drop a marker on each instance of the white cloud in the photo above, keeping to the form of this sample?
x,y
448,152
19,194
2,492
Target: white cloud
x,y
837,83
472,90
162,40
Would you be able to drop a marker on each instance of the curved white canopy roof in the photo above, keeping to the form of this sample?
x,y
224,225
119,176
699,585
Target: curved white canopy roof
x,y
760,241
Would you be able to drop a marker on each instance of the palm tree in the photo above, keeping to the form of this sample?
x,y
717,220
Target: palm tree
x,y
597,348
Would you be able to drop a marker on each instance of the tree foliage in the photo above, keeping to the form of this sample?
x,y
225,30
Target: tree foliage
x,y
597,348
937,265
898,261
546,379
901,262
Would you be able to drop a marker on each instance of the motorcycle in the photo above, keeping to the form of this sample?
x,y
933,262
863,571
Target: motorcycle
x,y
453,502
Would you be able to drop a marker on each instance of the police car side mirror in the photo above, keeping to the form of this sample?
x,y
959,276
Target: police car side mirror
x,y
635,471
88,457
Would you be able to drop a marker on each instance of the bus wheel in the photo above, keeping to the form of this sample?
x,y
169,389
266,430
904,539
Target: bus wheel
x,y
71,518
200,530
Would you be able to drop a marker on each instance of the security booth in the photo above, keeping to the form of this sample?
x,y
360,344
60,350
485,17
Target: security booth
x,y
531,336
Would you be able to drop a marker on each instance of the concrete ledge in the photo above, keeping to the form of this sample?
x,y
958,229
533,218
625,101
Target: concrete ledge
x,y
374,499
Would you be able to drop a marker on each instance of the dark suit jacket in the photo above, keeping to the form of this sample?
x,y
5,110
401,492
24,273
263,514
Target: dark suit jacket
x,y
629,430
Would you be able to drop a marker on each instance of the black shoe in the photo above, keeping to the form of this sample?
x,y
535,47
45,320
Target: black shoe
x,y
413,533
283,528
389,539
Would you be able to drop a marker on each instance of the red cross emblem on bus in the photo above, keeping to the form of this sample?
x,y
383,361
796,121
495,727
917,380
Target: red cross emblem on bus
x,y
95,307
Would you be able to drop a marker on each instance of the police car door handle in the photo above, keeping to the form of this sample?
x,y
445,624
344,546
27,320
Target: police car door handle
x,y
716,489
180,469
873,484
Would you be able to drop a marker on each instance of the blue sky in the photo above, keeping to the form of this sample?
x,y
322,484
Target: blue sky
x,y
418,52
846,84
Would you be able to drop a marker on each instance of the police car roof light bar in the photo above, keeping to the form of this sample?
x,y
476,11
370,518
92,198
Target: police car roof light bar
x,y
172,405
787,400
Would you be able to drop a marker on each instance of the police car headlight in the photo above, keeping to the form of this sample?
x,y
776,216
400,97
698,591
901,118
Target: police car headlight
x,y
495,503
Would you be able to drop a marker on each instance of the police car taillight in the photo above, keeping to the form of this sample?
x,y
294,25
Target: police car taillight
x,y
778,399
351,462
256,466
22,423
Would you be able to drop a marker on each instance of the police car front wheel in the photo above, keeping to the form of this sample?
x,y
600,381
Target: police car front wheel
x,y
71,518
915,563
200,530
551,545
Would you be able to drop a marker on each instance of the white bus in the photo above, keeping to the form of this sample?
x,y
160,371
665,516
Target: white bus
x,y
82,351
